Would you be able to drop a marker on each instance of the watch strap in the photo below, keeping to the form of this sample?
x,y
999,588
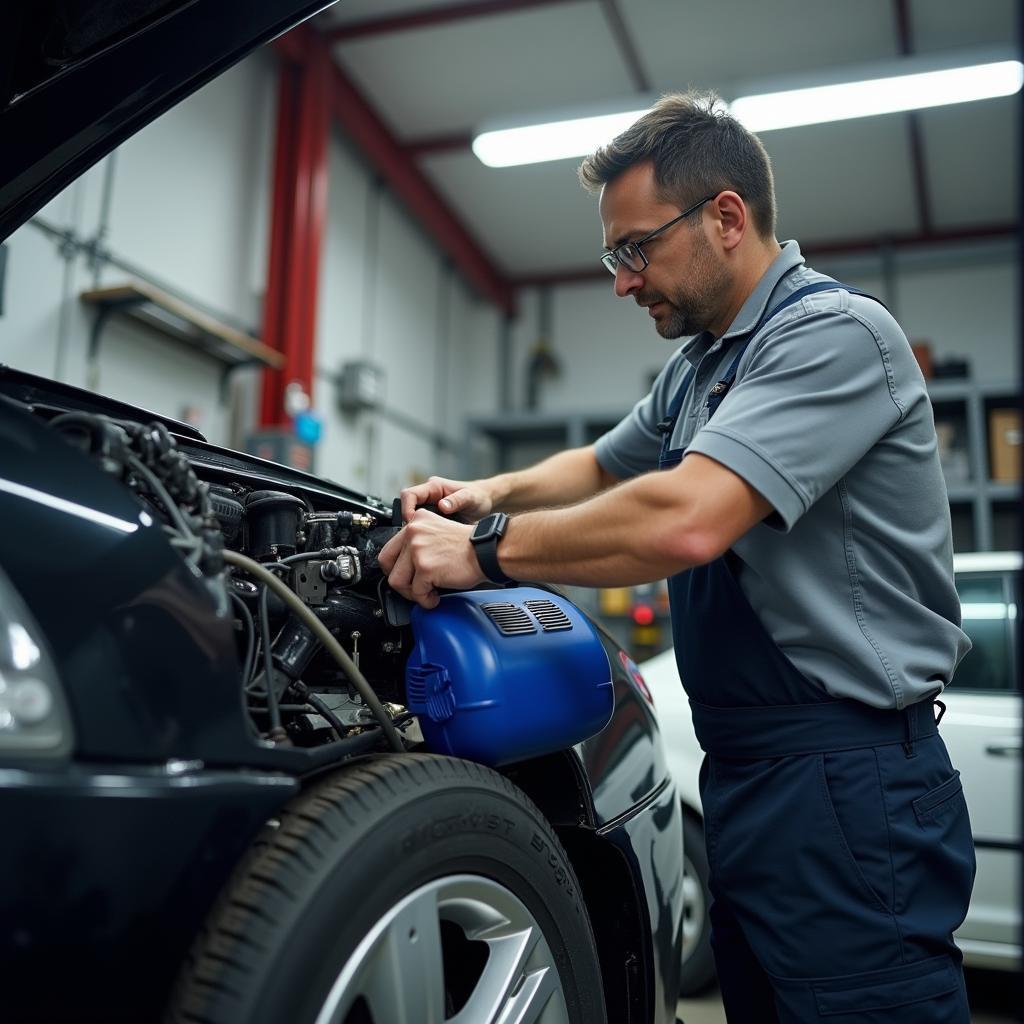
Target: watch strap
x,y
486,548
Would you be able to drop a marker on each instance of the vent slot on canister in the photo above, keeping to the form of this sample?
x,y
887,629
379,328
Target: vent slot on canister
x,y
551,618
510,618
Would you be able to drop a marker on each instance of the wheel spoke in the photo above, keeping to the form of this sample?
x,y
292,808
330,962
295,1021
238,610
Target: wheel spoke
x,y
518,981
399,969
536,1000
404,977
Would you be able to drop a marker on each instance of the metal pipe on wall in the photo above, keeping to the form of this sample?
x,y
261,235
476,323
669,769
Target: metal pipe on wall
x,y
442,346
69,254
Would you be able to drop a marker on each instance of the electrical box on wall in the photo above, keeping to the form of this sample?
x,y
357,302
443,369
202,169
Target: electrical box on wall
x,y
360,385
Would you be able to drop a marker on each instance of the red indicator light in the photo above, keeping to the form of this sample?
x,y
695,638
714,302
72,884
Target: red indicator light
x,y
643,614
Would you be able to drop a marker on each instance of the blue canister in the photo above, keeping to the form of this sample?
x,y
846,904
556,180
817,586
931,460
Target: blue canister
x,y
503,675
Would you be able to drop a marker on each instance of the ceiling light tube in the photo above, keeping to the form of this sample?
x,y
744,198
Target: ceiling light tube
x,y
555,140
890,95
559,138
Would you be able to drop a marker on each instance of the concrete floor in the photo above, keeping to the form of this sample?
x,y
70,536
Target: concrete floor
x,y
995,998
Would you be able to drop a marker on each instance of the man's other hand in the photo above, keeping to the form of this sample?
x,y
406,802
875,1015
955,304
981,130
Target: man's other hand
x,y
452,497
429,553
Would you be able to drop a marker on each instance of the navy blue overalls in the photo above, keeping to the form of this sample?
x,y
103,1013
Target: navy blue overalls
x,y
837,835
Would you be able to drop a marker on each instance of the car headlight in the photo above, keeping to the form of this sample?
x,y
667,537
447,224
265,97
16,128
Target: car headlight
x,y
34,718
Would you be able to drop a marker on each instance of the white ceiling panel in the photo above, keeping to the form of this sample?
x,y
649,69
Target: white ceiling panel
x,y
448,78
711,43
852,181
530,219
972,158
937,26
842,181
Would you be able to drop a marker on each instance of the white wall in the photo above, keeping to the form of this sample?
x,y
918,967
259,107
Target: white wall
x,y
962,301
388,297
189,208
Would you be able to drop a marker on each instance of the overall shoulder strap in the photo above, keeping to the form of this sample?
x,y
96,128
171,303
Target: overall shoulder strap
x,y
719,391
665,426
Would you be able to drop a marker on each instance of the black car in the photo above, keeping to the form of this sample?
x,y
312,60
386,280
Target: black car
x,y
240,779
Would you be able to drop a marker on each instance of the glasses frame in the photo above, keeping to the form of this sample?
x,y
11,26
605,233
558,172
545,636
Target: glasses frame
x,y
611,260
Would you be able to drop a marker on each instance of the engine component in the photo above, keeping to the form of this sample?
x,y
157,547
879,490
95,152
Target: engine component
x,y
345,568
272,524
497,676
321,529
359,519
228,510
334,649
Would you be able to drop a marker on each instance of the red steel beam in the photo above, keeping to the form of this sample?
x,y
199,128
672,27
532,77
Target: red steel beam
x,y
429,18
297,225
364,126
833,247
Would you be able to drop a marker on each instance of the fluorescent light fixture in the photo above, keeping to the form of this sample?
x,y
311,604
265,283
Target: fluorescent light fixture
x,y
556,140
890,95
910,84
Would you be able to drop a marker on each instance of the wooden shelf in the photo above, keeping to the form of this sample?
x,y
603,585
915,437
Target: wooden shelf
x,y
177,319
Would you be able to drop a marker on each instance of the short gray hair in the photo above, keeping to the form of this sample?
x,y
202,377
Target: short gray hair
x,y
697,149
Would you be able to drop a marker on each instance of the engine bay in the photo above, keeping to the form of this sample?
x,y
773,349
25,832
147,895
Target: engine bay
x,y
321,639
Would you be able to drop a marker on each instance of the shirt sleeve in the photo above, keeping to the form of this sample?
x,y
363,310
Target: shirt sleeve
x,y
816,394
633,445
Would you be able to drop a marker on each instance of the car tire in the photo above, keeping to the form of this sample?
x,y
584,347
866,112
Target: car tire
x,y
698,963
407,889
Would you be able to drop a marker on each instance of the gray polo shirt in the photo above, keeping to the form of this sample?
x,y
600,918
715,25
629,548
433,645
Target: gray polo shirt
x,y
829,419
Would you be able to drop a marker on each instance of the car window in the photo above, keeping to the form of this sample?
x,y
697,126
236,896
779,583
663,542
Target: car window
x,y
989,608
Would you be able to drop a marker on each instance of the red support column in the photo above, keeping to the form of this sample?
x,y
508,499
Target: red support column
x,y
298,219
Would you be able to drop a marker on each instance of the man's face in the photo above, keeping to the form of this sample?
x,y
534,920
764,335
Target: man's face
x,y
685,283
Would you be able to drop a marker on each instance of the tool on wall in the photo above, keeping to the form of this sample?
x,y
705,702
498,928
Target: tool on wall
x,y
543,363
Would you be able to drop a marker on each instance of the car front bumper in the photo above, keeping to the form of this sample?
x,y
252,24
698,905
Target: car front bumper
x,y
106,875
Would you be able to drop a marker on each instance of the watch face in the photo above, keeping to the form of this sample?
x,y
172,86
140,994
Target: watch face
x,y
490,527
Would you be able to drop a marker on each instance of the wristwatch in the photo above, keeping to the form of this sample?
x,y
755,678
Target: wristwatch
x,y
484,538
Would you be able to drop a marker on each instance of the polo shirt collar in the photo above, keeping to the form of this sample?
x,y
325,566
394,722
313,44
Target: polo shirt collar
x,y
751,310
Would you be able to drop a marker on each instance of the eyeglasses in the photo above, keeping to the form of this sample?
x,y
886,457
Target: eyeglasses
x,y
631,256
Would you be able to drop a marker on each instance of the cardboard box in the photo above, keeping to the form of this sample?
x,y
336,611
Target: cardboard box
x,y
1004,437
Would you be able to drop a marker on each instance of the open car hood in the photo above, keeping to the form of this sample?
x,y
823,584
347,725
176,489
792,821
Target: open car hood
x,y
78,77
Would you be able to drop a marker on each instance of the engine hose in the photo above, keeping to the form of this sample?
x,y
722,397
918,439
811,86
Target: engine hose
x,y
323,634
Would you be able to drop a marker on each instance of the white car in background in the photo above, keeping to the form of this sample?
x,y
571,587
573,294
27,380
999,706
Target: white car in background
x,y
982,729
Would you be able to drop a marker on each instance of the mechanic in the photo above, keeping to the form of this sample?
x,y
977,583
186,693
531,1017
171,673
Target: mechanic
x,y
783,474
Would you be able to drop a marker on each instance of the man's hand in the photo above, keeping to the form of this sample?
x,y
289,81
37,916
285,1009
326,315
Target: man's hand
x,y
427,553
452,497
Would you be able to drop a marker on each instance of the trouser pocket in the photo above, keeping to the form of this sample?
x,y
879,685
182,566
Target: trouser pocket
x,y
926,992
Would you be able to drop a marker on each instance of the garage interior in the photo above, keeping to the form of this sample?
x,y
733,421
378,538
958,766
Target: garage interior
x,y
306,259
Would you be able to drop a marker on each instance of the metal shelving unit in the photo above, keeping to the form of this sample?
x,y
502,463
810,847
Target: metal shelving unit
x,y
979,497
516,429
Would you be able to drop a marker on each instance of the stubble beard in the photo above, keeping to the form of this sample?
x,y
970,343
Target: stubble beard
x,y
695,310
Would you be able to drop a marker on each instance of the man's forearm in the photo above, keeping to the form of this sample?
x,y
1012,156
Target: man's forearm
x,y
635,533
562,479
645,529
